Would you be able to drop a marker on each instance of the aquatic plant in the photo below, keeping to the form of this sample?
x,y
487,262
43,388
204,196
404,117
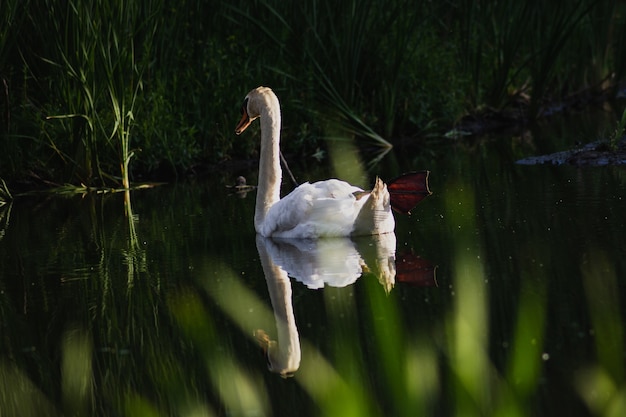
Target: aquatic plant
x,y
619,132
88,86
5,194
352,64
522,50
104,51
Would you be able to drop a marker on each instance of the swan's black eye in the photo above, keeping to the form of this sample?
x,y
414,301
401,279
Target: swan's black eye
x,y
244,106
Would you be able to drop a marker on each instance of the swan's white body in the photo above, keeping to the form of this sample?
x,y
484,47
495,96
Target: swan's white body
x,y
324,208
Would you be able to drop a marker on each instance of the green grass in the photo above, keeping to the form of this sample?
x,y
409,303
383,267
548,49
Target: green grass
x,y
99,93
103,50
618,134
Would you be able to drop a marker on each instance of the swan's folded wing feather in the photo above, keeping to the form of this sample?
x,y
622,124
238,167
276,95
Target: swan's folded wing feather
x,y
324,208
288,212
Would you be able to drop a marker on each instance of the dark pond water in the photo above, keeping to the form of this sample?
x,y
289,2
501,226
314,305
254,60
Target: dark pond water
x,y
506,297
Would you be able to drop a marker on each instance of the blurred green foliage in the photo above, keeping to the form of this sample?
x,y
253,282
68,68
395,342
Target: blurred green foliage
x,y
151,310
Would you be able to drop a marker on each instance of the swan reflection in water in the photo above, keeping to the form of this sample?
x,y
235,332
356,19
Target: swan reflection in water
x,y
336,262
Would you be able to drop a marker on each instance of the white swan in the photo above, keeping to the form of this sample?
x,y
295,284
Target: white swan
x,y
324,208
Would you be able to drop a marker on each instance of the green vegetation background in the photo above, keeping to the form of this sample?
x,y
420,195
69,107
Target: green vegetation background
x,y
98,92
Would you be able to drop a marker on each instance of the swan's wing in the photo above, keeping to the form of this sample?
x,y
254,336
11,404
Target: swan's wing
x,y
324,208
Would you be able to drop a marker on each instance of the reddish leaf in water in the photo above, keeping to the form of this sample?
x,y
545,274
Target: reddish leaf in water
x,y
406,191
415,270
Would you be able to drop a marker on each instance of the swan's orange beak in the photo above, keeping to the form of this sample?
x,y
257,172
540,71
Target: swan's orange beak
x,y
244,122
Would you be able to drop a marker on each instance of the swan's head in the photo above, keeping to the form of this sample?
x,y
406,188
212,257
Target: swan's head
x,y
257,100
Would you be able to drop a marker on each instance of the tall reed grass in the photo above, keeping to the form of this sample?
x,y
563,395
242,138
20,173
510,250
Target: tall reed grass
x,y
101,51
352,60
87,86
533,49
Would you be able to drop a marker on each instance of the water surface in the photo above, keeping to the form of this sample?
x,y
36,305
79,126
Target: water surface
x,y
506,296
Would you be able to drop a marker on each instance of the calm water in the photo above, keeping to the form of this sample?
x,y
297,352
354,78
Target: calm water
x,y
506,297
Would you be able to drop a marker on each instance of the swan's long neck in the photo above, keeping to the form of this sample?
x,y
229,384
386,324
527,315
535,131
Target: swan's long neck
x,y
270,173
